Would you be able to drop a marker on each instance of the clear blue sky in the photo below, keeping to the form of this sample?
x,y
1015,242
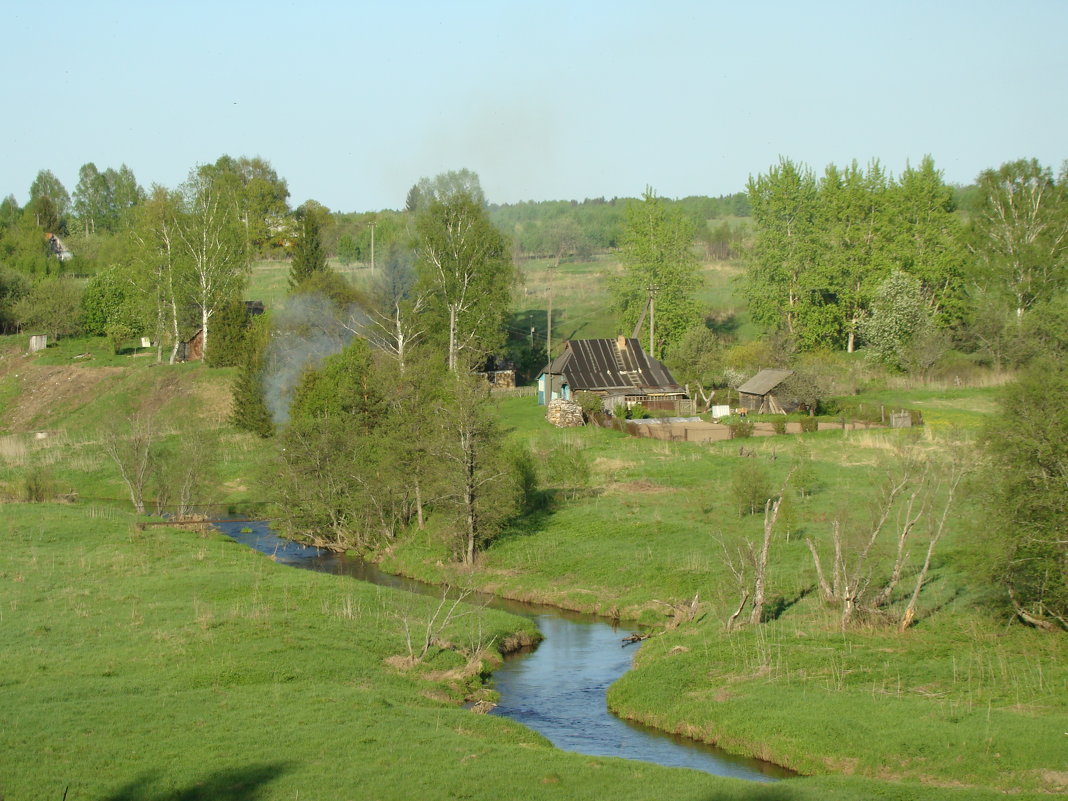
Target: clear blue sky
x,y
352,102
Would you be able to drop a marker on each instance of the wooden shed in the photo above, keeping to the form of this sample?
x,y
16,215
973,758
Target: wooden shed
x,y
758,393
616,369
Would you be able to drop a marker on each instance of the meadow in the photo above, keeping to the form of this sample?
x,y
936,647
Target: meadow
x,y
172,664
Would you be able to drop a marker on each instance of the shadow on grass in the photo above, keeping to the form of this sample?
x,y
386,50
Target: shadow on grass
x,y
240,784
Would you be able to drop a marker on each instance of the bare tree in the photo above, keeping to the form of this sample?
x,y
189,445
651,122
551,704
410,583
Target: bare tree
x,y
757,561
130,444
908,497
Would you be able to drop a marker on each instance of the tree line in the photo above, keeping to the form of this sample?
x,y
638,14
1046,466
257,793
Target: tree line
x,y
856,257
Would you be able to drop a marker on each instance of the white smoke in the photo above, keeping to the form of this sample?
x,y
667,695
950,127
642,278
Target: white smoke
x,y
308,329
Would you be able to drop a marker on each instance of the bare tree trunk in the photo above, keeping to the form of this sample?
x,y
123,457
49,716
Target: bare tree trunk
x,y
825,589
731,620
452,338
771,514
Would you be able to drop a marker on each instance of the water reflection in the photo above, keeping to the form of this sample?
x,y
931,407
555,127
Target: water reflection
x,y
559,688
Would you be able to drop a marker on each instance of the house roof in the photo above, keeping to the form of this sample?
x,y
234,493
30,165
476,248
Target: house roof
x,y
603,364
764,381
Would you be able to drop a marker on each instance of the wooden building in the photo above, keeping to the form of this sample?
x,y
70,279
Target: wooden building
x,y
616,369
758,394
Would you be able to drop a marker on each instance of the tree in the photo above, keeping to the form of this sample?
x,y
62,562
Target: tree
x,y
1020,234
130,444
249,410
445,187
308,255
464,269
159,267
260,194
927,239
53,306
900,319
784,206
852,256
46,186
397,304
1024,550
210,235
111,298
660,271
91,201
480,491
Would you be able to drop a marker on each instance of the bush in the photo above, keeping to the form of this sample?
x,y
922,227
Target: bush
x,y
638,412
118,334
38,485
809,424
750,487
568,467
590,402
741,429
779,425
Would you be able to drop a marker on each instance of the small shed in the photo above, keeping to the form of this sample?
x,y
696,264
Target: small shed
x,y
758,394
192,350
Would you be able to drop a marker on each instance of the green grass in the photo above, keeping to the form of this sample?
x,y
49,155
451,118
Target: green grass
x,y
136,660
166,664
961,699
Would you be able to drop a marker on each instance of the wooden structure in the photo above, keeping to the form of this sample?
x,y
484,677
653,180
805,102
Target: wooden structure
x,y
758,393
192,350
616,369
499,372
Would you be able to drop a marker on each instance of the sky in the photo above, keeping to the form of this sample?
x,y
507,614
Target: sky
x,y
353,102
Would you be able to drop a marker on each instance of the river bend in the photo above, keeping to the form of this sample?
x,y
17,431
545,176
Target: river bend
x,y
558,689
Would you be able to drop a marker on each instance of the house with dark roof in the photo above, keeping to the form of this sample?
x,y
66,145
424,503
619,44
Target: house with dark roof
x,y
616,369
758,394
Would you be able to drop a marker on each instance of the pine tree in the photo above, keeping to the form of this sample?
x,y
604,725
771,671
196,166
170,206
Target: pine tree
x,y
308,255
249,411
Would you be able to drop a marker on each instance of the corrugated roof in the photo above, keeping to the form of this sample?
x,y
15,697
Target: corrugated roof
x,y
600,364
764,381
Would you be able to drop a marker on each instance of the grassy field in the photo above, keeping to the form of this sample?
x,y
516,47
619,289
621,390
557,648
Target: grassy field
x,y
962,698
169,664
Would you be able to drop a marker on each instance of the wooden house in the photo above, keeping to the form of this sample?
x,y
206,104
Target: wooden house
x,y
616,369
758,394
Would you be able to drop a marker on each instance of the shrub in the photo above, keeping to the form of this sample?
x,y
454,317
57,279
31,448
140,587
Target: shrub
x,y
590,402
638,412
118,334
779,424
809,424
741,429
750,487
569,467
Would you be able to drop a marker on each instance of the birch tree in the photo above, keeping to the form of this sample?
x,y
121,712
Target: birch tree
x,y
464,266
1021,232
210,233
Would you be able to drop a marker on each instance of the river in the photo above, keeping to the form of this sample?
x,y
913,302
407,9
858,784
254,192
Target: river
x,y
557,689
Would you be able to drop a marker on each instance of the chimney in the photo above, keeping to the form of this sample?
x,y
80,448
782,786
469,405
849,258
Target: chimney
x,y
621,342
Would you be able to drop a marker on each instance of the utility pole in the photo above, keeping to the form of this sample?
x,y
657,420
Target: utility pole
x,y
549,321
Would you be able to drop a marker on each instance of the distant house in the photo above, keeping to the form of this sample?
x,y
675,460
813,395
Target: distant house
x,y
57,248
758,394
616,369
